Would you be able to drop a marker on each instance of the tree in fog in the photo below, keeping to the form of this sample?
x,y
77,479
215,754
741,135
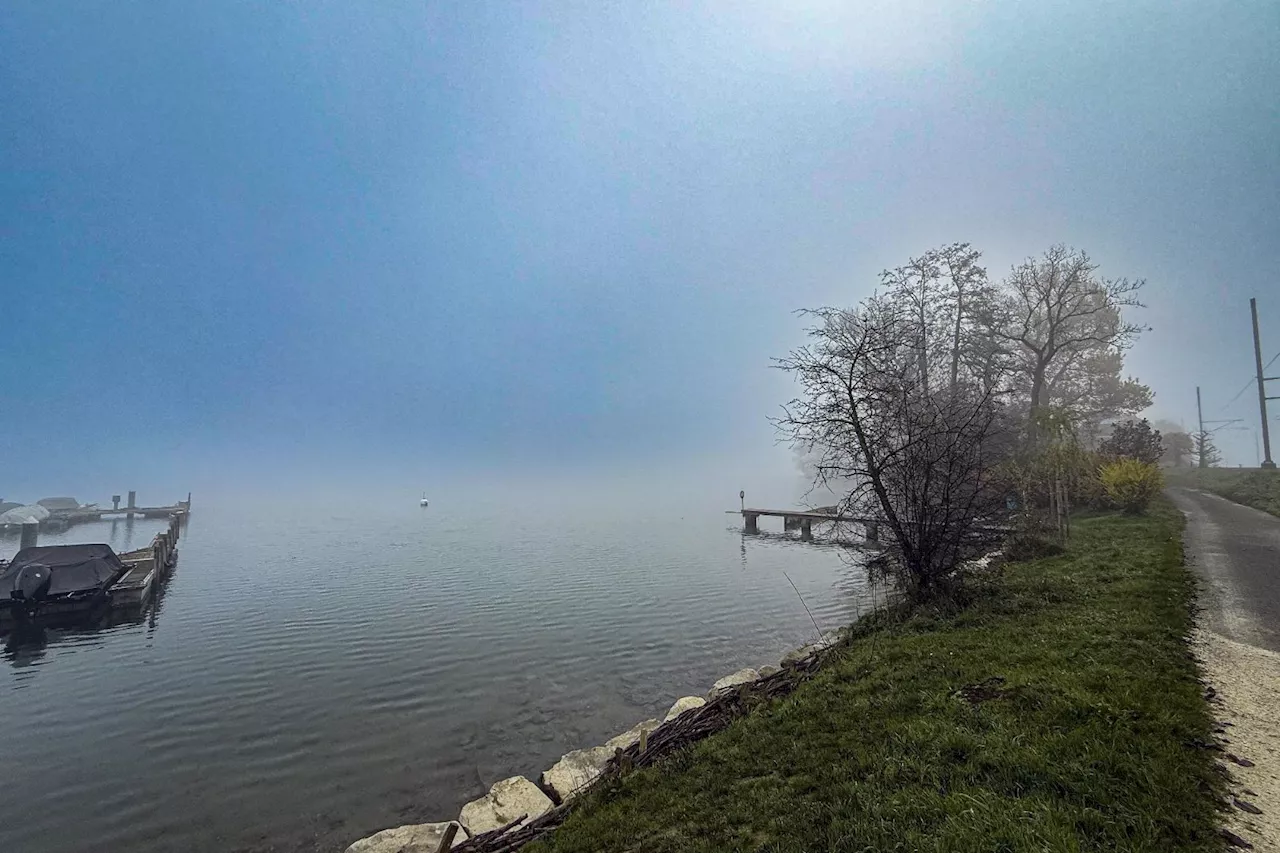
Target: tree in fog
x,y
1065,335
1178,449
922,460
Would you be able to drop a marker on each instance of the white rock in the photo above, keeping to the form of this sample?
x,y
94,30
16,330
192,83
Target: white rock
x,y
632,735
574,770
688,703
724,685
830,639
411,838
766,671
798,655
506,801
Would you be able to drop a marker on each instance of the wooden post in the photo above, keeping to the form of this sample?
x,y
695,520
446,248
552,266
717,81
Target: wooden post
x,y
30,534
644,740
750,525
446,840
806,529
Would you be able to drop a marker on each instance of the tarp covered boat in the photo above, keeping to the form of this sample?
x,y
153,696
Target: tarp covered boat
x,y
58,573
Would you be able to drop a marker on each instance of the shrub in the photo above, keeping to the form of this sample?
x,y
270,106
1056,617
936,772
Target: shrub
x,y
1087,490
1131,484
1134,440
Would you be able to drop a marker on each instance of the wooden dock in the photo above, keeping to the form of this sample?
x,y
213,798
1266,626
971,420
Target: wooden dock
x,y
129,509
146,570
805,519
149,566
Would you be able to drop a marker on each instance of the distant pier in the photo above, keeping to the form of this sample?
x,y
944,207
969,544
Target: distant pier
x,y
804,519
57,514
94,513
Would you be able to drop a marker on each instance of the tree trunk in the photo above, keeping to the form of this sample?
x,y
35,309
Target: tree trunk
x,y
924,345
955,343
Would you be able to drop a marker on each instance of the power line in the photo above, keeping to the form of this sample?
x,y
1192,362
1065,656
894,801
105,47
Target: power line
x,y
1248,384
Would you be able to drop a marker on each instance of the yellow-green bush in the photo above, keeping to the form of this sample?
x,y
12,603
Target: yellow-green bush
x,y
1131,484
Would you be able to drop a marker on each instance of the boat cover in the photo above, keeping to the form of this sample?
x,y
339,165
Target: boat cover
x,y
73,568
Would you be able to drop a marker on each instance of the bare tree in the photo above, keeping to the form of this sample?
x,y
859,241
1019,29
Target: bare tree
x,y
941,293
922,463
966,292
914,289
1059,318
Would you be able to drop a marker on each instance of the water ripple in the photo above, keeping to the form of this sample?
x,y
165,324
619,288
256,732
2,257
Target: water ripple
x,y
310,680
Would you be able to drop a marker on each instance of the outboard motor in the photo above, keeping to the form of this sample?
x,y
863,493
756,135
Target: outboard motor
x,y
30,582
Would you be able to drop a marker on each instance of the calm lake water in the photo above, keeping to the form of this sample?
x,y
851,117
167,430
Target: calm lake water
x,y
311,677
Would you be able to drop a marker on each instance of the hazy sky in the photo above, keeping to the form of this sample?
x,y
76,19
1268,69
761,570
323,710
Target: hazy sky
x,y
289,241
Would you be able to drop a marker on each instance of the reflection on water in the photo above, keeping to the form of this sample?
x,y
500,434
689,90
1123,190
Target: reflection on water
x,y
309,678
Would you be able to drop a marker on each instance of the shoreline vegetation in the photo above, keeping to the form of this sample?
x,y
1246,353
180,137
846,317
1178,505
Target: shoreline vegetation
x,y
1252,487
1060,709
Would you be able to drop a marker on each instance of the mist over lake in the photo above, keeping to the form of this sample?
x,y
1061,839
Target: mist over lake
x,y
314,674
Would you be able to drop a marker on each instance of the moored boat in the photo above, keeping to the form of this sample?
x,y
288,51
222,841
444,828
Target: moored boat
x,y
58,579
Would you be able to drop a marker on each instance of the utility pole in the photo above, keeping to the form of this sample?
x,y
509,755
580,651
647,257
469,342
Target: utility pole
x,y
1267,462
1202,437
1199,411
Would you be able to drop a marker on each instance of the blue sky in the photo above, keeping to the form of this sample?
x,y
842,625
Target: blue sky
x,y
267,241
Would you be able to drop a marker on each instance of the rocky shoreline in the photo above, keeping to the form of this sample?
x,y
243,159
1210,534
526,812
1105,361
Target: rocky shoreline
x,y
512,802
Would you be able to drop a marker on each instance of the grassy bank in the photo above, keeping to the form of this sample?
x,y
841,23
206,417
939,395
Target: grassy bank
x,y
1058,712
1249,486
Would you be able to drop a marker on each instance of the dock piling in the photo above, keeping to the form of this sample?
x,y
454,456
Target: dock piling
x,y
873,531
30,535
806,530
750,524
133,500
115,501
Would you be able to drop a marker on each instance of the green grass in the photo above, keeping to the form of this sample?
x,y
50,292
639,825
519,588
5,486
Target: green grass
x,y
1249,486
1090,744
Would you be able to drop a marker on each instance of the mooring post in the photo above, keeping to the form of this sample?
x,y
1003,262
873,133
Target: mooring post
x,y
873,531
750,525
446,839
806,529
30,534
